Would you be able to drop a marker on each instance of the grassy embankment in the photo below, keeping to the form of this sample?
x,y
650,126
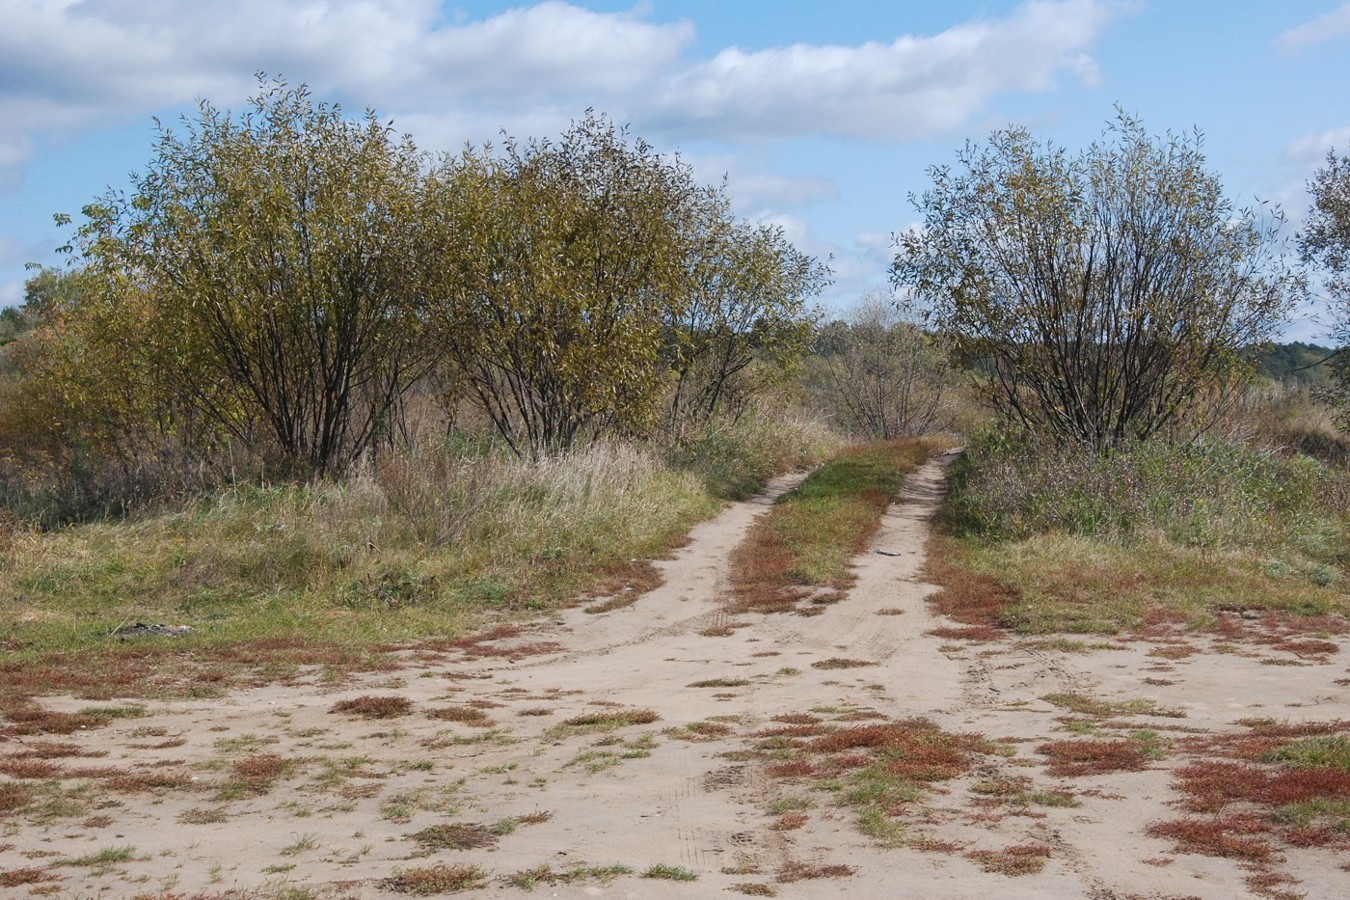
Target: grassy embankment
x,y
1053,540
412,553
802,549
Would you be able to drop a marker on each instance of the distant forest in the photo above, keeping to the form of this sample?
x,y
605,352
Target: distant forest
x,y
1295,361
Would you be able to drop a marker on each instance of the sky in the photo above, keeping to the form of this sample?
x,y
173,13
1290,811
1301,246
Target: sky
x,y
823,118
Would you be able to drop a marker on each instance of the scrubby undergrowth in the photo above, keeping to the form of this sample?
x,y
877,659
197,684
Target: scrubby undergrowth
x,y
1062,539
415,547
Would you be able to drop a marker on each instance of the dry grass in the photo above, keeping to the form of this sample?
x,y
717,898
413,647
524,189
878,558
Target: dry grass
x,y
14,797
464,715
29,768
1018,859
304,575
369,706
437,879
1236,836
800,871
838,662
456,836
12,878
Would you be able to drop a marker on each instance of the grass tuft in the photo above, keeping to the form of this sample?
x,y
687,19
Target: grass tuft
x,y
456,836
669,873
372,707
437,879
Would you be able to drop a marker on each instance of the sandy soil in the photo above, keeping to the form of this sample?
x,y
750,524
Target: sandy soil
x,y
274,794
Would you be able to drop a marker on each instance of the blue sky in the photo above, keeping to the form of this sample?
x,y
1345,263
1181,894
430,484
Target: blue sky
x,y
823,116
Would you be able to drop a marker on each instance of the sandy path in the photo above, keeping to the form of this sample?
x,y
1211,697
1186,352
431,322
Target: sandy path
x,y
341,818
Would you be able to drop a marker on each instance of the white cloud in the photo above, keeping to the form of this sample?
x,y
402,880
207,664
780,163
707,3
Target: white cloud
x,y
1311,149
1327,27
911,87
68,66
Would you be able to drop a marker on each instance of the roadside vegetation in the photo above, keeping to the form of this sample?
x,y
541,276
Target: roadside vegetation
x,y
802,550
422,546
1135,474
306,395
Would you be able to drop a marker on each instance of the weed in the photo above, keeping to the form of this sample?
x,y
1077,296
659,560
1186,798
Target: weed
x,y
437,879
836,662
669,873
699,731
372,707
302,844
455,836
545,874
464,715
1019,859
1078,758
1091,706
754,889
20,877
253,776
112,713
601,722
720,683
535,818
799,871
798,718
104,857
790,804
1320,752
974,633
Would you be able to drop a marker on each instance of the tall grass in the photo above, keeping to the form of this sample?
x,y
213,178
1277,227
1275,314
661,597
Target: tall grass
x,y
1081,541
1213,494
736,457
401,551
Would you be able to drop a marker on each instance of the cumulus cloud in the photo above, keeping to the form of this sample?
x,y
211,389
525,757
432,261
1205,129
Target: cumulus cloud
x,y
909,88
1326,27
68,66
72,65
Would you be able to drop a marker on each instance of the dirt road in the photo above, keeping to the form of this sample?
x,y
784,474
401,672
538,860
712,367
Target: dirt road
x,y
670,739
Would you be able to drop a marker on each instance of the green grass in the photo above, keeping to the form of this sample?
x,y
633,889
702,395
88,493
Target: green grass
x,y
106,856
1320,752
669,873
1084,544
327,573
810,538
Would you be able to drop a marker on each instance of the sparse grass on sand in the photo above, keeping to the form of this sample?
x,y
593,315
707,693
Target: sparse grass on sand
x,y
803,548
1253,794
